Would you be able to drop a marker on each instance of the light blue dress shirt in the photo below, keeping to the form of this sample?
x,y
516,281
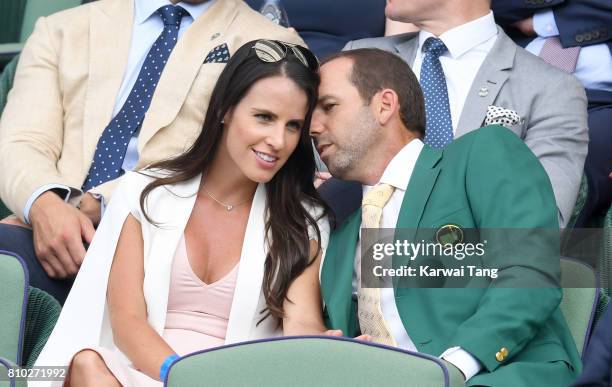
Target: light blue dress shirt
x,y
145,30
594,67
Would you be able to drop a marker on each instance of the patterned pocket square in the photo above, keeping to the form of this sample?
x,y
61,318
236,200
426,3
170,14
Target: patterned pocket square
x,y
500,116
219,54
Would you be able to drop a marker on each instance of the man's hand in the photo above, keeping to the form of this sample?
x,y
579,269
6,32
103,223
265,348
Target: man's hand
x,y
90,207
525,26
59,230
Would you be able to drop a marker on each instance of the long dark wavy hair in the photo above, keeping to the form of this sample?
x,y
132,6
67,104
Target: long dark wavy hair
x,y
289,192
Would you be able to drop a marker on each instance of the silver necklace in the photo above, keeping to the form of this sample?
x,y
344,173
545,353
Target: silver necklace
x,y
227,206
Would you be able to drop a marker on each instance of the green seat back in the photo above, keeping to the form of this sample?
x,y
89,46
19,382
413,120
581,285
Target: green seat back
x,y
37,8
17,20
606,262
13,296
41,315
5,381
6,82
580,296
11,16
310,361
583,192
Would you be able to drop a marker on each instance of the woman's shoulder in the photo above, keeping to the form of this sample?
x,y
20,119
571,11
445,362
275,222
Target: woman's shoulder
x,y
143,177
170,186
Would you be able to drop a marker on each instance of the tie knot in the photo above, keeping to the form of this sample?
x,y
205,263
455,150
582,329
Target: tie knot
x,y
378,196
171,15
435,46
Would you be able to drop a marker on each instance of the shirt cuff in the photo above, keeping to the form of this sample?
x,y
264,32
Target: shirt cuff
x,y
62,190
544,24
100,198
462,360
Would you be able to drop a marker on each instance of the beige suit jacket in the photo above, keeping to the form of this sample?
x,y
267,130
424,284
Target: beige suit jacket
x,y
68,78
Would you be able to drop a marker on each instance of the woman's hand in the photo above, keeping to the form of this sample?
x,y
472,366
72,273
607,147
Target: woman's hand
x,y
338,333
320,178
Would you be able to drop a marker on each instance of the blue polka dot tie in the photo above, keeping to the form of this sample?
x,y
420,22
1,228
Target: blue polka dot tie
x,y
439,130
112,145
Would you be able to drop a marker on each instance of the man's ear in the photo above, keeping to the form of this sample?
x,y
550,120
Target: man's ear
x,y
387,106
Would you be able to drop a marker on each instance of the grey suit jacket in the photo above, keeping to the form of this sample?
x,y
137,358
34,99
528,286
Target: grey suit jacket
x,y
552,104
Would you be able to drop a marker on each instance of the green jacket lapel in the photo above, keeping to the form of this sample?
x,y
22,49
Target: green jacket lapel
x,y
419,188
337,273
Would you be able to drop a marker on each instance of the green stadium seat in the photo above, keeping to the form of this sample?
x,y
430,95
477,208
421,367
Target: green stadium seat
x,y
605,266
580,200
37,8
5,381
6,82
606,263
27,314
42,313
18,19
311,360
14,293
11,15
580,299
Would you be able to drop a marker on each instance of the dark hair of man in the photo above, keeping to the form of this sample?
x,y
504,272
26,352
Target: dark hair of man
x,y
289,191
374,70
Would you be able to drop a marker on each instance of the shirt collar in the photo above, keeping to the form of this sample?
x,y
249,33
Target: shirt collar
x,y
400,168
465,37
143,9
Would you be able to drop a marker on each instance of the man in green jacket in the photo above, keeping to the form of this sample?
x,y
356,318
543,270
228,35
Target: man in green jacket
x,y
503,328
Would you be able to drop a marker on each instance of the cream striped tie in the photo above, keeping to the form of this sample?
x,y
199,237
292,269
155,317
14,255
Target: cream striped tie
x,y
370,315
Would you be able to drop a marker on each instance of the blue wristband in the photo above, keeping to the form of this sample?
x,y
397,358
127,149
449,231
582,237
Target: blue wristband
x,y
163,370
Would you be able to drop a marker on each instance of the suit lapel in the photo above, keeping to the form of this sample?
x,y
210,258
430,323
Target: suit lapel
x,y
250,273
420,186
408,49
110,34
424,176
489,80
337,273
184,64
172,212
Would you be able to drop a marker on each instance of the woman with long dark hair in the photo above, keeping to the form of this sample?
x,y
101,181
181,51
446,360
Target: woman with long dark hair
x,y
219,245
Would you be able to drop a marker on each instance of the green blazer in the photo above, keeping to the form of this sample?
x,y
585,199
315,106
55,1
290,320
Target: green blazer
x,y
487,179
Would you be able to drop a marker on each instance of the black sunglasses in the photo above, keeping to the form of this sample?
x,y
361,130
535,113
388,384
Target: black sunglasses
x,y
272,51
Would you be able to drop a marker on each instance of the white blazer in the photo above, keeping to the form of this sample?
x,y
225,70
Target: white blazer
x,y
84,321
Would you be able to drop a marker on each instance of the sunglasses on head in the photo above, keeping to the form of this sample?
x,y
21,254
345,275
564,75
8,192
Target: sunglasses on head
x,y
272,51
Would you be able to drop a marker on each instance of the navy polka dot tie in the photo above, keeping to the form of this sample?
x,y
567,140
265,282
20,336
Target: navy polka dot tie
x,y
439,130
112,145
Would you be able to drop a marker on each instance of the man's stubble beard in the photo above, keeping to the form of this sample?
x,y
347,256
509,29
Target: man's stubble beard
x,y
348,159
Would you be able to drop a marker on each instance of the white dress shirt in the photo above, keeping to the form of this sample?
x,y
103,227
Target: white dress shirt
x,y
594,66
468,45
145,31
397,174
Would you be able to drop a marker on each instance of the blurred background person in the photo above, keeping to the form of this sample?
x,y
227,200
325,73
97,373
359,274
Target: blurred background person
x,y
575,36
326,26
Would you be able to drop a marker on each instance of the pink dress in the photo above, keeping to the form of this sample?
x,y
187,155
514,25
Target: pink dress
x,y
196,319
